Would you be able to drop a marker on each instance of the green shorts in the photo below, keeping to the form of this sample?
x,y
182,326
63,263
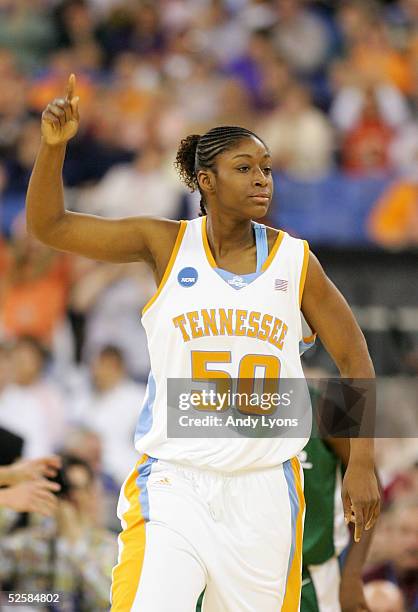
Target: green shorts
x,y
320,587
308,601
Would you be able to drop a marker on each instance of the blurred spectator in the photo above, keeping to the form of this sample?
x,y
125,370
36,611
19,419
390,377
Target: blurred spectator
x,y
87,445
350,103
75,26
296,23
109,298
199,94
133,27
235,107
252,68
33,290
401,567
140,188
52,81
393,222
30,405
29,363
20,167
216,33
26,28
72,555
368,46
111,409
21,414
365,148
383,596
404,152
17,168
299,136
13,104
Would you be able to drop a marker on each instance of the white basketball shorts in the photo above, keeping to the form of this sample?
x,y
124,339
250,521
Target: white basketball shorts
x,y
185,530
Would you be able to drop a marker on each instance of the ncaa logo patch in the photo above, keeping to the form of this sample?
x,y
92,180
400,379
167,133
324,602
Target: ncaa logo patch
x,y
187,277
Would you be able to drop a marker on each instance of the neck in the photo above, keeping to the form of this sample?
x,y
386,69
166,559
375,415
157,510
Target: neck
x,y
226,234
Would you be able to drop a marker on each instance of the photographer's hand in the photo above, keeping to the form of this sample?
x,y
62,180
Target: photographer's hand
x,y
36,496
29,469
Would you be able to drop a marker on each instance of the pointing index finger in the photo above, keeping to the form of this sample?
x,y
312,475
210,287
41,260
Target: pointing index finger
x,y
358,523
70,88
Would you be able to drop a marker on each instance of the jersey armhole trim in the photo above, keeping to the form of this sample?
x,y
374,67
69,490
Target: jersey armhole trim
x,y
273,251
310,339
304,270
174,253
206,246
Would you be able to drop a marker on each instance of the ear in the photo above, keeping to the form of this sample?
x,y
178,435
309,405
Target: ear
x,y
206,180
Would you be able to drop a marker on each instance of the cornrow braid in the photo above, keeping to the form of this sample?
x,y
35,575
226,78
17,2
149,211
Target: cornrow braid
x,y
199,152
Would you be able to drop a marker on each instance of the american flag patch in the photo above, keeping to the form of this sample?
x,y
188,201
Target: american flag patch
x,y
280,284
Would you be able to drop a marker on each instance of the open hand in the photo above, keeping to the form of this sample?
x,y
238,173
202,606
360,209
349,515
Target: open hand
x,y
60,119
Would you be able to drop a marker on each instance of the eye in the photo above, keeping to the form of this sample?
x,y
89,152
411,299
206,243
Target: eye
x,y
243,168
267,170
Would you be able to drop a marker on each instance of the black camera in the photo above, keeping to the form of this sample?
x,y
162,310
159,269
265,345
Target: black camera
x,y
62,479
67,462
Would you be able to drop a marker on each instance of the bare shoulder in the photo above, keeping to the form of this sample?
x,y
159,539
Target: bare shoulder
x,y
163,235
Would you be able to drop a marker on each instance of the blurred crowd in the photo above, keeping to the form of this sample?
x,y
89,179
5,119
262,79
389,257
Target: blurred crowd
x,y
331,86
333,89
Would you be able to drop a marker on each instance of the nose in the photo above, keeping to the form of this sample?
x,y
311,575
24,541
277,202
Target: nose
x,y
259,178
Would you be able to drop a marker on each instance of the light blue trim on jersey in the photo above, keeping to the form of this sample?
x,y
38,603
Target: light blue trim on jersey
x,y
305,346
238,281
145,417
261,244
294,508
144,472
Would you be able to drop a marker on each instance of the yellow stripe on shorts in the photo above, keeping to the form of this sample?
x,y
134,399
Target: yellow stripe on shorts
x,y
294,581
127,573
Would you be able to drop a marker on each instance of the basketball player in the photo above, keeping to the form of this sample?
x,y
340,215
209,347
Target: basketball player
x,y
225,514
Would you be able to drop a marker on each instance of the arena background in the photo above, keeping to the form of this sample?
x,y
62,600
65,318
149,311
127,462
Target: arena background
x,y
333,89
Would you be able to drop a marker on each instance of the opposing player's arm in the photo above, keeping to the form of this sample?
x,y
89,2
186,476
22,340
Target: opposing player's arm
x,y
114,240
326,311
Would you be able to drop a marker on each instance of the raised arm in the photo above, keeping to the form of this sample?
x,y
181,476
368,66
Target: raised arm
x,y
328,313
115,240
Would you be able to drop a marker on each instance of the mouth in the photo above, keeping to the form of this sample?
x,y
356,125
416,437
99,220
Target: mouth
x,y
261,197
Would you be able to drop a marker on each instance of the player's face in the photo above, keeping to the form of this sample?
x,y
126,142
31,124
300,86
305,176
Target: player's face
x,y
244,183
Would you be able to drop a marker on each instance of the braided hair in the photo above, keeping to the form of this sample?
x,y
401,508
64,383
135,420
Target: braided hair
x,y
197,152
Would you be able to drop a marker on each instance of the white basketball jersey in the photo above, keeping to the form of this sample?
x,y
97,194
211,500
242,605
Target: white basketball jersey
x,y
197,323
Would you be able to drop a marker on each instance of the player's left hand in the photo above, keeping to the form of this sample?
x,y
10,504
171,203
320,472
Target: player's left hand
x,y
352,595
361,498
